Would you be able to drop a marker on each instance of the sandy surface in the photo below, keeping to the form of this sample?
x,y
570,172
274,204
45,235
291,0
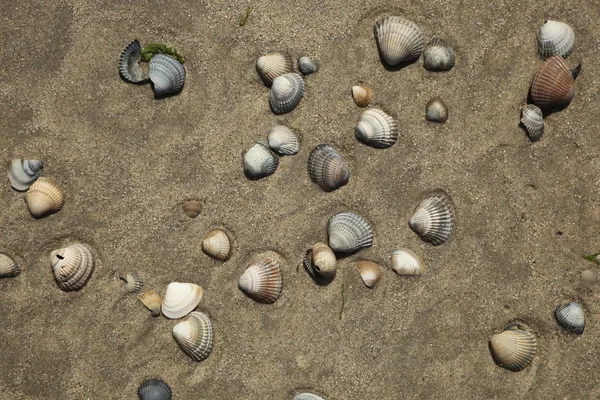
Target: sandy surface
x,y
526,213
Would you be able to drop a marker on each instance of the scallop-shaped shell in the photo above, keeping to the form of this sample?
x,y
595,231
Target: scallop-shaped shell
x,y
370,272
129,63
22,173
286,92
262,281
8,266
192,208
283,140
73,266
307,65
349,232
167,74
152,301
362,94
154,389
260,161
405,262
533,121
181,299
555,39
438,55
194,334
571,317
398,39
44,197
327,168
272,65
513,349
433,219
323,260
377,129
553,84
307,396
133,282
217,245
436,110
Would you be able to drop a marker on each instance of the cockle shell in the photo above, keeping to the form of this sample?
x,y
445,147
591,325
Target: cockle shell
x,y
533,121
398,39
217,245
438,55
307,262
513,348
405,262
192,208
44,197
553,84
194,334
262,281
555,39
283,140
272,65
129,63
152,301
133,282
22,173
307,396
307,65
8,266
571,317
362,94
73,266
167,74
370,272
433,219
377,129
286,92
323,260
260,161
349,232
181,299
436,110
154,389
327,168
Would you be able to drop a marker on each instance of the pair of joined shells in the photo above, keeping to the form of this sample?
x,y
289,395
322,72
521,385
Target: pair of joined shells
x,y
260,161
321,261
8,266
362,94
438,55
154,389
181,299
370,272
272,65
327,168
349,232
194,334
262,281
436,110
553,84
286,92
376,129
152,301
44,197
22,173
398,40
571,317
407,263
217,245
283,140
73,266
555,39
167,74
433,219
129,66
307,65
513,348
133,282
532,119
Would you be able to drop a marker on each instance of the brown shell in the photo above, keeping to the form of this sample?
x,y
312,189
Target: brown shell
x,y
152,301
217,245
370,272
45,197
192,208
513,348
324,261
553,84
8,266
262,281
362,94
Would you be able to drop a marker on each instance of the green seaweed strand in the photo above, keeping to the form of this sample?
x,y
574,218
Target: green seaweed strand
x,y
245,15
158,48
592,258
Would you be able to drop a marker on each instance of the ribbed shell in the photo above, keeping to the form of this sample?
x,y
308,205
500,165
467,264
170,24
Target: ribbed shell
x,y
308,264
194,334
362,94
307,396
128,63
398,39
436,110
167,74
154,389
272,65
152,301
286,92
405,262
324,261
73,266
349,232
370,272
555,39
260,161
181,299
433,219
327,168
133,282
22,173
262,281
571,317
192,208
283,140
8,266
217,245
44,197
377,129
513,349
307,65
438,55
533,120
553,84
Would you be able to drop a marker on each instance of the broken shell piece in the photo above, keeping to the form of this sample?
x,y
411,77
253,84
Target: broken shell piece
x,y
362,94
73,266
307,396
324,261
327,168
405,262
217,245
152,301
436,110
22,173
154,389
286,92
571,317
262,281
398,40
553,84
129,63
260,161
376,129
349,232
133,282
307,65
555,39
192,208
8,266
514,348
438,55
533,120
194,334
167,74
370,272
44,197
283,140
272,65
181,299
433,219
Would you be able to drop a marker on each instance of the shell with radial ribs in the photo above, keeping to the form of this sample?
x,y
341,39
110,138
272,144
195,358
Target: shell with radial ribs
x,y
194,334
167,74
217,245
405,262
283,140
22,173
398,40
376,128
181,299
362,94
307,65
555,39
436,110
272,65
433,219
571,317
553,84
154,389
73,266
192,208
513,348
370,272
152,301
129,66
260,161
324,262
327,168
286,92
8,266
262,281
44,197
349,232
533,121
438,55
133,282
307,262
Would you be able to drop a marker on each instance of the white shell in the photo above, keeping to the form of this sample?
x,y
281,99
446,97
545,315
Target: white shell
x,y
181,299
307,65
555,38
72,266
438,55
217,245
286,92
8,266
152,301
167,74
376,129
22,173
324,262
370,272
262,281
283,140
405,262
349,232
433,219
129,63
44,197
307,396
327,168
571,317
194,334
398,39
260,161
513,348
533,121
272,65
133,282
436,110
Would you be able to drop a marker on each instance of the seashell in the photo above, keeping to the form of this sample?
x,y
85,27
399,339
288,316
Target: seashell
x,y
349,232
307,396
376,129
436,110
152,301
571,317
405,262
22,173
362,94
272,65
438,55
133,282
260,161
181,299
327,168
513,348
167,74
308,263
533,120
398,40
45,197
553,84
129,63
307,65
589,276
323,260
217,245
262,281
192,208
283,140
194,334
555,39
8,266
370,272
433,219
286,92
154,389
73,266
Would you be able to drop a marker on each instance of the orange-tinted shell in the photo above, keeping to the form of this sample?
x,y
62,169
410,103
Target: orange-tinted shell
x,y
553,84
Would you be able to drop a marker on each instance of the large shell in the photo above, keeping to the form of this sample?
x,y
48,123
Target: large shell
x,y
436,110
398,39
133,282
327,168
272,65
152,301
362,94
217,245
370,272
154,389
376,129
8,266
194,334
514,348
405,262
260,161
286,92
22,173
555,39
181,299
433,219
438,55
307,396
283,140
44,197
262,281
349,232
167,74
129,63
73,266
553,84
324,262
307,65
571,317
533,121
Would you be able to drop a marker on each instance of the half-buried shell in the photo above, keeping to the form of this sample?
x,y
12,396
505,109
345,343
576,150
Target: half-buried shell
x,y
307,65
133,282
433,219
533,121
438,55
349,232
327,168
571,317
405,262
44,197
376,129
217,245
192,208
362,94
181,299
167,74
260,161
22,173
8,266
194,334
283,140
436,110
398,40
513,348
555,39
152,301
154,389
323,261
286,92
272,65
129,66
370,272
262,281
307,396
73,266
553,84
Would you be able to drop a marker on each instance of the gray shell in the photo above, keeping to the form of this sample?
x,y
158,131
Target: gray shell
x,y
22,173
307,396
307,65
349,232
129,63
433,219
436,110
327,168
283,140
571,317
533,121
286,92
272,65
398,40
133,282
167,75
438,55
154,389
194,334
308,263
8,267
555,38
376,129
260,161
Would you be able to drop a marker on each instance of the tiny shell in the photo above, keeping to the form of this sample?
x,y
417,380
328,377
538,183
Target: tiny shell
x,y
154,389
405,262
283,140
22,173
589,276
307,65
514,348
438,55
571,317
44,197
194,334
181,299
362,94
307,396
398,40
217,245
433,219
260,161
555,39
376,129
167,74
324,261
533,121
370,272
327,168
192,208
8,266
133,282
349,232
73,266
286,92
553,84
262,281
129,63
152,301
272,65
436,110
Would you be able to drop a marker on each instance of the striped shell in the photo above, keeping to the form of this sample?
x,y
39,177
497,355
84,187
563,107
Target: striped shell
x,y
133,282
194,334
349,232
324,262
327,168
22,173
436,110
44,197
433,219
8,266
398,40
533,121
181,299
167,74
307,396
259,161
217,245
370,272
438,55
553,84
192,208
307,65
514,348
152,301
362,94
73,266
154,389
283,140
286,92
555,39
377,129
405,262
571,317
129,66
262,281
272,65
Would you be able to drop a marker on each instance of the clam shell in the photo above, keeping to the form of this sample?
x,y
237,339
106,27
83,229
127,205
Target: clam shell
x,y
307,396
133,282
405,262
533,120
8,266
283,140
22,173
262,281
260,161
370,272
272,65
286,92
181,299
433,219
192,208
129,66
217,245
73,266
438,55
167,74
436,110
553,84
513,349
377,129
349,232
154,389
194,334
571,317
327,168
44,197
323,260
398,40
555,39
362,94
152,301
307,65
